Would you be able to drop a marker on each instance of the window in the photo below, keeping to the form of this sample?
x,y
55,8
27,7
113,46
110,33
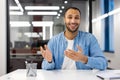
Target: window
x,y
103,27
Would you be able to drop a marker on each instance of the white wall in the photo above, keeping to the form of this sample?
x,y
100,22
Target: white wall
x,y
2,37
117,27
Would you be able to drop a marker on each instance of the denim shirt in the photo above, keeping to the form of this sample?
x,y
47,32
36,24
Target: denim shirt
x,y
89,45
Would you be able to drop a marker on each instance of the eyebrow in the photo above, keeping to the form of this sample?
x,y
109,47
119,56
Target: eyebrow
x,y
75,15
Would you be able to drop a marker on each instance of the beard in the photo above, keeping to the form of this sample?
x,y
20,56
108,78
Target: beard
x,y
72,31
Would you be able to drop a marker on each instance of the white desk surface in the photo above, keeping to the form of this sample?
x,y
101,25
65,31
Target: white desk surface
x,y
20,74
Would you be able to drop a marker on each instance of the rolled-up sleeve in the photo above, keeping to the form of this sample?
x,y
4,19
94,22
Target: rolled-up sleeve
x,y
96,59
47,66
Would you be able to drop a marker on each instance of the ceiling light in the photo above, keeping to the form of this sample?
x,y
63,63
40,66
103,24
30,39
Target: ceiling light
x,y
42,13
16,13
14,8
42,7
65,2
58,17
62,7
19,5
31,34
60,11
20,24
42,23
58,14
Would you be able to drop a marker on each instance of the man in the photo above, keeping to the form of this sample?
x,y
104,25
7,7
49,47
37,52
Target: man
x,y
73,49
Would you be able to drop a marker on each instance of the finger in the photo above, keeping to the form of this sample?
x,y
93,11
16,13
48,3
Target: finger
x,y
68,54
65,52
79,49
42,51
46,47
43,54
71,51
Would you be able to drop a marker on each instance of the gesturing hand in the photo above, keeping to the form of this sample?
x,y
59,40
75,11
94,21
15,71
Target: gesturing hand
x,y
76,56
46,53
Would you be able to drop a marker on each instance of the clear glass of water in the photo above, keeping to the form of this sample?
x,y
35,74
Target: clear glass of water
x,y
31,69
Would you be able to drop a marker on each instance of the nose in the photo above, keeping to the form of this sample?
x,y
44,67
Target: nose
x,y
73,20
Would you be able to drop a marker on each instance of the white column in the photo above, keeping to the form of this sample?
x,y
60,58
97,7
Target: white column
x,y
2,37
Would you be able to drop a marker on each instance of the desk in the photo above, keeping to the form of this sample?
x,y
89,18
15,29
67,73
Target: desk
x,y
20,74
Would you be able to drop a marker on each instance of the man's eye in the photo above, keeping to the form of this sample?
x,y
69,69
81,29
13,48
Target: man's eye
x,y
77,18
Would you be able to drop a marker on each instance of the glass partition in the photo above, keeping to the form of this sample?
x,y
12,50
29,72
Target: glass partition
x,y
34,22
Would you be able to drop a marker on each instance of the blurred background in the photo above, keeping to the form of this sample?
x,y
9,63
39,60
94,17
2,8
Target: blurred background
x,y
29,24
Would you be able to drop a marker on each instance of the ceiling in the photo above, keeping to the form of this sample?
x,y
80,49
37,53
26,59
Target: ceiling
x,y
44,2
24,3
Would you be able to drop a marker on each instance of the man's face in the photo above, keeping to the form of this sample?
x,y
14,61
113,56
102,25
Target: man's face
x,y
72,20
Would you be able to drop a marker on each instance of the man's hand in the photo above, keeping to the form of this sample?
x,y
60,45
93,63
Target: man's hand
x,y
76,56
46,53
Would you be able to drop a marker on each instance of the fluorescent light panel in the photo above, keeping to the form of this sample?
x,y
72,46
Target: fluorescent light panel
x,y
20,24
19,5
42,7
42,13
27,24
14,8
42,23
31,34
16,13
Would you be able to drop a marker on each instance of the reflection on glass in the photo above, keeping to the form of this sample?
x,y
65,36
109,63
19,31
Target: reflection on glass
x,y
33,23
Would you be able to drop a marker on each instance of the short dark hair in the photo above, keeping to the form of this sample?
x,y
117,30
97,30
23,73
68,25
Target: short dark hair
x,y
72,8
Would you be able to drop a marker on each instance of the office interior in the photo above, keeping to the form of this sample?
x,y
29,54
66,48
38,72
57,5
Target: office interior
x,y
27,24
